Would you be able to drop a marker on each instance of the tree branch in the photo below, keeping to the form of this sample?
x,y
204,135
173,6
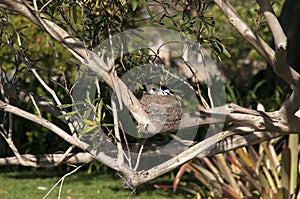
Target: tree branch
x,y
16,111
292,77
23,95
221,142
73,140
49,160
240,116
279,63
87,57
244,126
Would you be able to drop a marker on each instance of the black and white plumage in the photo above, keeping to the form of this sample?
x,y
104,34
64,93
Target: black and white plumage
x,y
158,90
163,106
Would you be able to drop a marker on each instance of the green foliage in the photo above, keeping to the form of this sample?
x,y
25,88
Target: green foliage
x,y
260,92
269,170
35,50
92,22
191,18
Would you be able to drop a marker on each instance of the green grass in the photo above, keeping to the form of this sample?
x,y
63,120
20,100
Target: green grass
x,y
81,185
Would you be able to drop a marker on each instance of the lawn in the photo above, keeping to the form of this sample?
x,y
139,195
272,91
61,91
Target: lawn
x,y
81,185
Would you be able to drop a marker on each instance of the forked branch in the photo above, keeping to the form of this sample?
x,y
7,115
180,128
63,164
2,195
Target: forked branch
x,y
259,44
242,126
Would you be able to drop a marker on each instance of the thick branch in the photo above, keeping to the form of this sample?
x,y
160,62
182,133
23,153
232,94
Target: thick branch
x,y
237,115
280,65
245,31
247,127
275,27
34,118
250,132
74,140
291,106
292,77
87,57
49,160
221,142
154,149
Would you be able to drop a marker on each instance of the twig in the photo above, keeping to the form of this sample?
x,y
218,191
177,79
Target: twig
x,y
138,158
53,94
128,155
120,157
35,105
46,4
61,180
64,156
35,5
208,83
8,138
47,105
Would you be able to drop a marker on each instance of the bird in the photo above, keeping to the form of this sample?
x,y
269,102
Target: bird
x,y
162,106
154,89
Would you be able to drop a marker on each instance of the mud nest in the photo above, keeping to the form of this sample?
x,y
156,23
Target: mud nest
x,y
164,110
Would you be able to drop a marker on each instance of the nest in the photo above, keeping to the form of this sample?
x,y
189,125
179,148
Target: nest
x,y
164,110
